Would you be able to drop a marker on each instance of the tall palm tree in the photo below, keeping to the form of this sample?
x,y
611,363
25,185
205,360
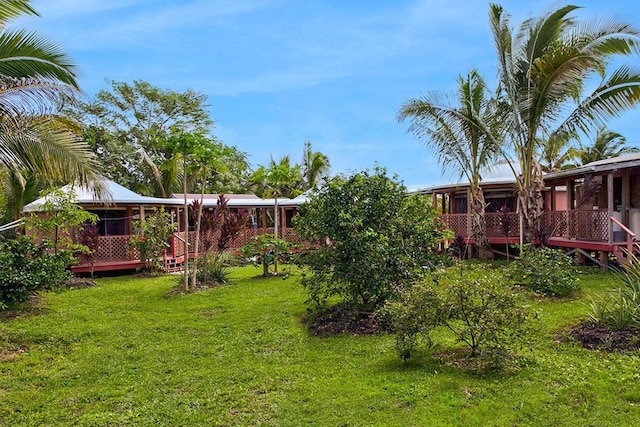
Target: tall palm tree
x,y
315,165
543,68
459,133
34,75
608,144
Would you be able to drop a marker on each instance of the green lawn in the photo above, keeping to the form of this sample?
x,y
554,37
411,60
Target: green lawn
x,y
124,353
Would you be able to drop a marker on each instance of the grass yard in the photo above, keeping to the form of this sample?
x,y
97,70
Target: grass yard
x,y
123,353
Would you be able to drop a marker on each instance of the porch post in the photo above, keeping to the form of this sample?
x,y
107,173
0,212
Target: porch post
x,y
553,197
571,191
127,224
434,201
610,202
626,196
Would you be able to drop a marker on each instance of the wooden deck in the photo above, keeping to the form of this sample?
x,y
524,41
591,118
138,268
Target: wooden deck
x,y
107,266
586,232
115,252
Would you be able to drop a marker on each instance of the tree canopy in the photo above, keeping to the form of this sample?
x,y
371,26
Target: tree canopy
x,y
131,126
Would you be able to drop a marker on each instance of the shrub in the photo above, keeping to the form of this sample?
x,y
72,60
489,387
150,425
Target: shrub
x,y
371,239
620,309
485,315
213,270
479,310
26,266
413,316
265,249
150,238
544,270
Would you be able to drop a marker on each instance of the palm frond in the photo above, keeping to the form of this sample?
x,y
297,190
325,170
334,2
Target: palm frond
x,y
24,54
10,9
619,92
48,150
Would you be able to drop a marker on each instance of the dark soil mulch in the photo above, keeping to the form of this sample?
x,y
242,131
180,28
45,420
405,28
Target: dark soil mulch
x,y
595,337
79,283
341,319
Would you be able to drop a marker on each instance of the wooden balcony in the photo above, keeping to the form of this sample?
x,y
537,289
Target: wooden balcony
x,y
587,230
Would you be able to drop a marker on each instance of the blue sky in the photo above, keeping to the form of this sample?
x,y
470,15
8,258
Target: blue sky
x,y
281,72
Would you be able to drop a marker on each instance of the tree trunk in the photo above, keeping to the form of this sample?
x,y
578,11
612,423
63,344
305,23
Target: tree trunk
x,y
185,283
479,224
197,242
275,251
532,204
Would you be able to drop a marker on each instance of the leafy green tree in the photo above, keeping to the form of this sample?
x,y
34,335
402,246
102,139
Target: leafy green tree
x,y
370,239
607,145
278,180
57,216
543,72
131,126
461,134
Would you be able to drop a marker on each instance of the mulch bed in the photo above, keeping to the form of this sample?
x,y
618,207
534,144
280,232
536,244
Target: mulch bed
x,y
341,319
179,290
595,337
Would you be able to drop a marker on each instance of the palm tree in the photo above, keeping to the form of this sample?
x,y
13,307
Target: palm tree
x,y
459,134
556,154
608,144
543,69
277,179
315,165
34,75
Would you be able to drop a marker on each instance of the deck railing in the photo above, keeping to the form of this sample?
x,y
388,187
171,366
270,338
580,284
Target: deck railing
x,y
587,225
115,248
118,248
498,224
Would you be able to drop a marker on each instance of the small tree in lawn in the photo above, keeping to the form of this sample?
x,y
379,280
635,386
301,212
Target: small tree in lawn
x,y
151,238
264,249
279,179
58,215
217,230
372,239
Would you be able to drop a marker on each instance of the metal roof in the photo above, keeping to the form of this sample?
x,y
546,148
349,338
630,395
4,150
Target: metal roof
x,y
629,161
123,196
